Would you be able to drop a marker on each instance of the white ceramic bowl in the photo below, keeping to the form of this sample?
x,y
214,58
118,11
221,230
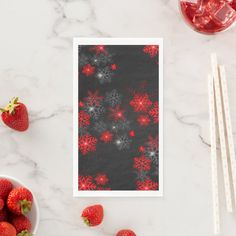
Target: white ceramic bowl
x,y
33,215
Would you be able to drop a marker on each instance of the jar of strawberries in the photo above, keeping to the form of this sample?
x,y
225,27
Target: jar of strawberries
x,y
209,16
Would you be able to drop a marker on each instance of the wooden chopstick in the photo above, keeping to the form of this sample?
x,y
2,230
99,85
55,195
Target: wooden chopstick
x,y
214,165
221,132
228,126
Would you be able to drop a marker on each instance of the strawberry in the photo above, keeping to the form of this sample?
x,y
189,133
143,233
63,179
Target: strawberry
x,y
15,115
7,229
22,225
1,204
20,201
3,215
5,188
126,232
93,215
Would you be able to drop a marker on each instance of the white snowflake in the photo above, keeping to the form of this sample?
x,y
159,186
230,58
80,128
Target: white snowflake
x,y
114,127
104,75
100,126
83,60
94,111
120,125
83,131
156,170
113,98
152,153
122,142
101,59
141,174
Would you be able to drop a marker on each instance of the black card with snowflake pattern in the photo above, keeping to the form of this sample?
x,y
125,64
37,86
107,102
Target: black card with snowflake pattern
x,y
118,118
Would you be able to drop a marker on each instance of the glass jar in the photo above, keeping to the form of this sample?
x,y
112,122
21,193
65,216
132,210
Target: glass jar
x,y
209,16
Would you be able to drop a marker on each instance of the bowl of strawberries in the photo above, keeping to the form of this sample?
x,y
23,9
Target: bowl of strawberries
x,y
19,211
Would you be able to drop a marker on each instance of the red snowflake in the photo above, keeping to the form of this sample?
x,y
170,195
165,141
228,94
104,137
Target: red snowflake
x,y
152,50
87,143
154,112
147,185
101,179
81,104
88,70
99,49
153,142
142,163
117,113
86,183
143,120
132,133
93,98
106,136
141,102
141,149
84,119
113,66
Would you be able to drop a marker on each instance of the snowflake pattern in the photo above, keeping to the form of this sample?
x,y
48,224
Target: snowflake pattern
x,y
86,183
106,137
141,102
83,131
152,50
83,60
152,153
89,182
120,125
117,113
116,117
84,119
94,111
154,112
88,70
99,49
104,75
87,144
142,163
147,184
113,98
143,120
152,150
101,60
122,142
101,179
141,174
100,126
93,98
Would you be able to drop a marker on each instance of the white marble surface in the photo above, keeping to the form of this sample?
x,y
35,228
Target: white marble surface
x,y
36,64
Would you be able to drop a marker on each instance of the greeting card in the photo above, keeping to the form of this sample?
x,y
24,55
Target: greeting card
x,y
118,117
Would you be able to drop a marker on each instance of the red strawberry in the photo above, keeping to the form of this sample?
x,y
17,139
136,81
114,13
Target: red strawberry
x,y
22,225
7,229
3,215
5,188
20,201
1,204
15,115
126,232
93,215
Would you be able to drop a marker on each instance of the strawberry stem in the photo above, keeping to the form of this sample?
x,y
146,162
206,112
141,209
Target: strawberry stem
x,y
11,106
86,221
25,206
24,233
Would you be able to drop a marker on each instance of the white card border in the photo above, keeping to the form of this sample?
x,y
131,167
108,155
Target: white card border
x,y
115,41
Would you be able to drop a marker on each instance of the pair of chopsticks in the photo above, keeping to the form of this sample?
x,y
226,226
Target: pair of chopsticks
x,y
220,126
